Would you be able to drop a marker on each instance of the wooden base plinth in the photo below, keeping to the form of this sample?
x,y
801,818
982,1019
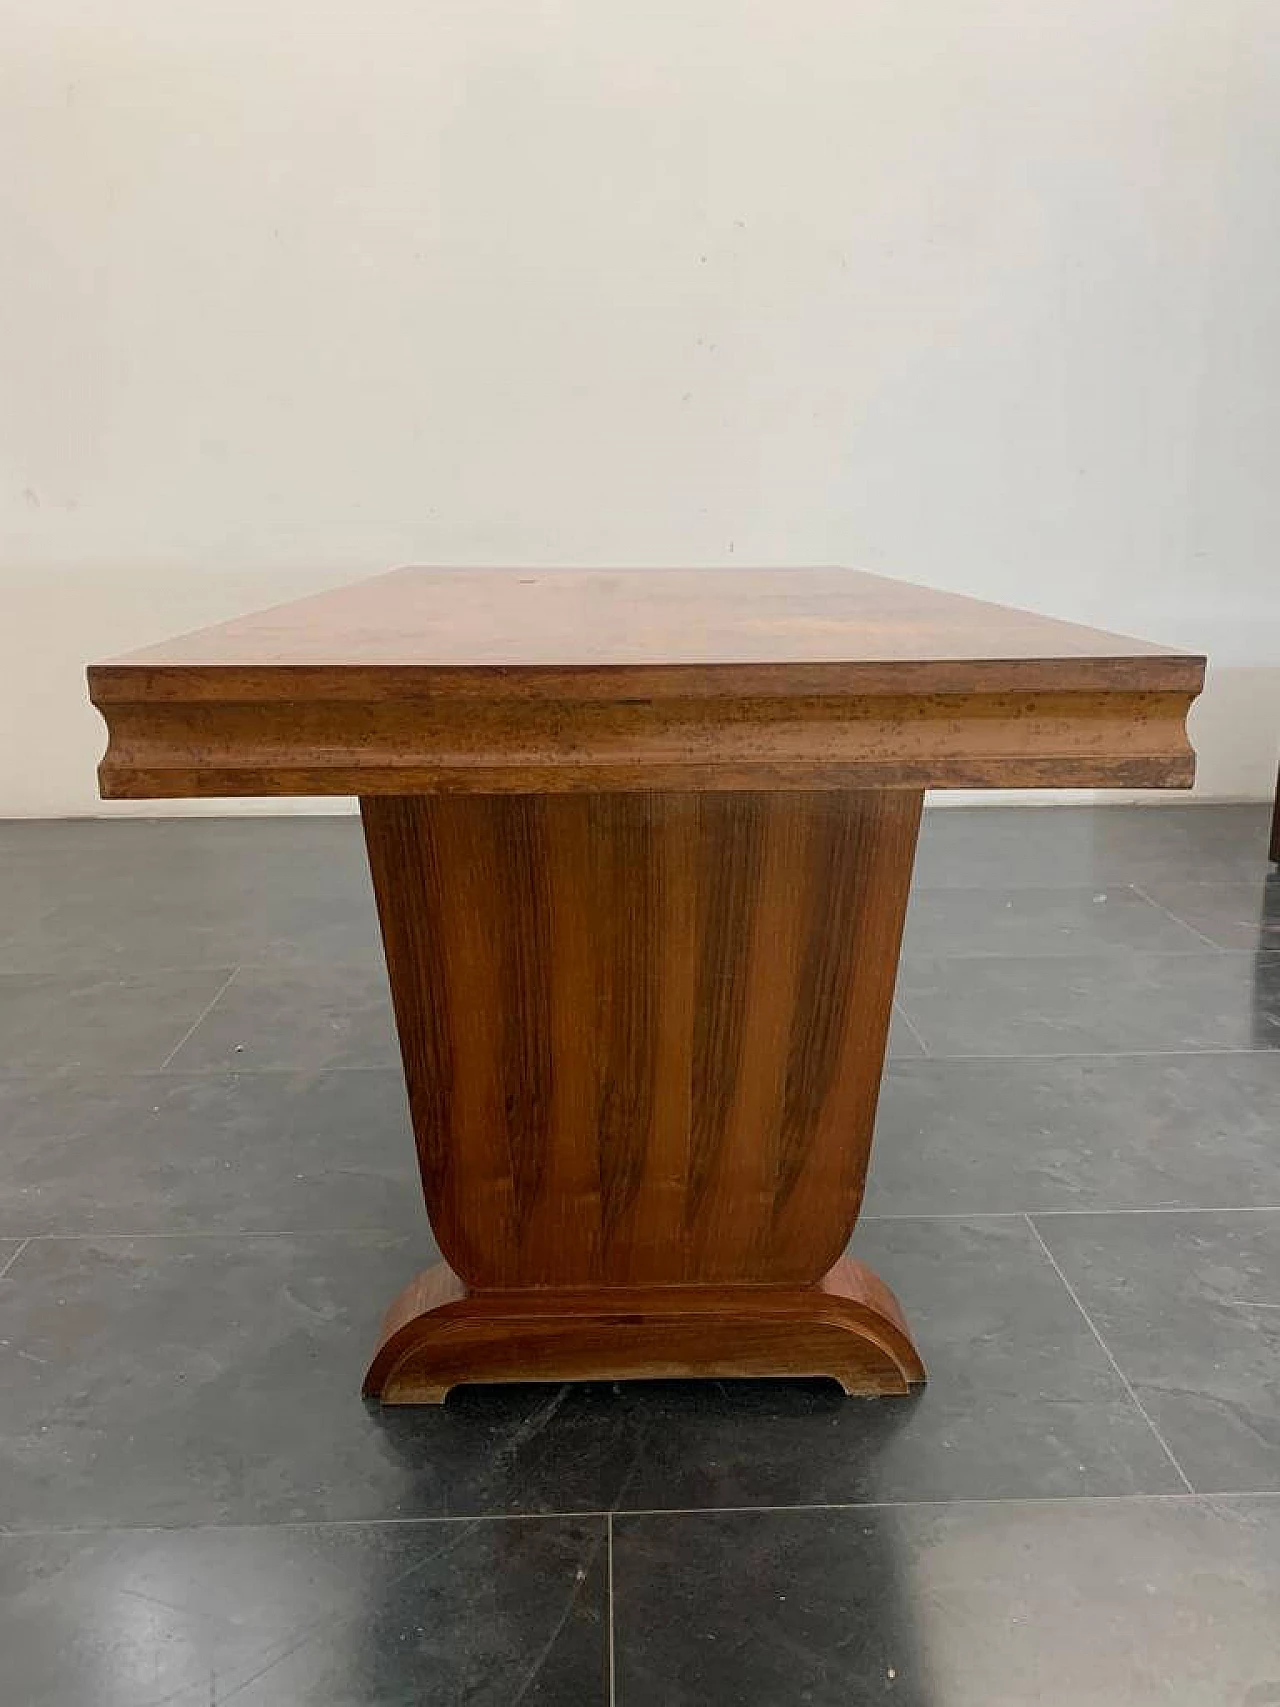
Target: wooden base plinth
x,y
438,1335
642,1037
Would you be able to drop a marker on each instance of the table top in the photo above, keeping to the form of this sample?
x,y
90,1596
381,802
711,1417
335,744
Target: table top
x,y
549,680
525,619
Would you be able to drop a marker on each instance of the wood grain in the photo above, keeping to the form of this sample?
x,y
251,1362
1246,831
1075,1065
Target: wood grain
x,y
438,1335
537,948
523,682
529,620
286,747
641,845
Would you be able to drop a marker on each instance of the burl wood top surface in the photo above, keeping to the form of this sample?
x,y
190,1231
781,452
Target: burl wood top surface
x,y
604,620
534,681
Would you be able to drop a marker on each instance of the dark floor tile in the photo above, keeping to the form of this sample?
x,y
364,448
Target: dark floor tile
x,y
196,892
1115,920
215,1380
1050,846
435,1614
1079,1005
162,1381
903,1042
267,923
1021,1399
99,1020
212,834
1231,915
1125,1132
1190,1308
1074,1604
215,1152
306,1019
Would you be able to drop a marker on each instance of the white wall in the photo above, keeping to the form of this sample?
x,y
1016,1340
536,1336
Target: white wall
x,y
977,292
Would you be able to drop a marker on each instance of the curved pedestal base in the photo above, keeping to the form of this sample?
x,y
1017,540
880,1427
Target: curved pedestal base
x,y
438,1335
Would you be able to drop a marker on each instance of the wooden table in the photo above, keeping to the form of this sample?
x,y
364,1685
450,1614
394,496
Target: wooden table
x,y
641,845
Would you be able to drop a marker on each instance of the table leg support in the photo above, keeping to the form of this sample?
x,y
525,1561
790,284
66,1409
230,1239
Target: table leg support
x,y
437,1334
643,1037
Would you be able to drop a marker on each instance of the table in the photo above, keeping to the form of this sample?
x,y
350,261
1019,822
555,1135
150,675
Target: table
x,y
641,844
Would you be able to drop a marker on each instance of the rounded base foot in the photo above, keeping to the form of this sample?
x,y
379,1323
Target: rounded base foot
x,y
438,1335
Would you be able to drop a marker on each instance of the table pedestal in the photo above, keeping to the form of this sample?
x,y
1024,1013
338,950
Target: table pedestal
x,y
643,1036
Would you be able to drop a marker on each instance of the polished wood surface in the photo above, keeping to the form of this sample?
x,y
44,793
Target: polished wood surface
x,y
641,845
642,1033
532,619
536,681
438,1334
642,1037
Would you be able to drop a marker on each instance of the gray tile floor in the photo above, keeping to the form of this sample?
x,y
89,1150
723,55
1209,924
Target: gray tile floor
x,y
207,1195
